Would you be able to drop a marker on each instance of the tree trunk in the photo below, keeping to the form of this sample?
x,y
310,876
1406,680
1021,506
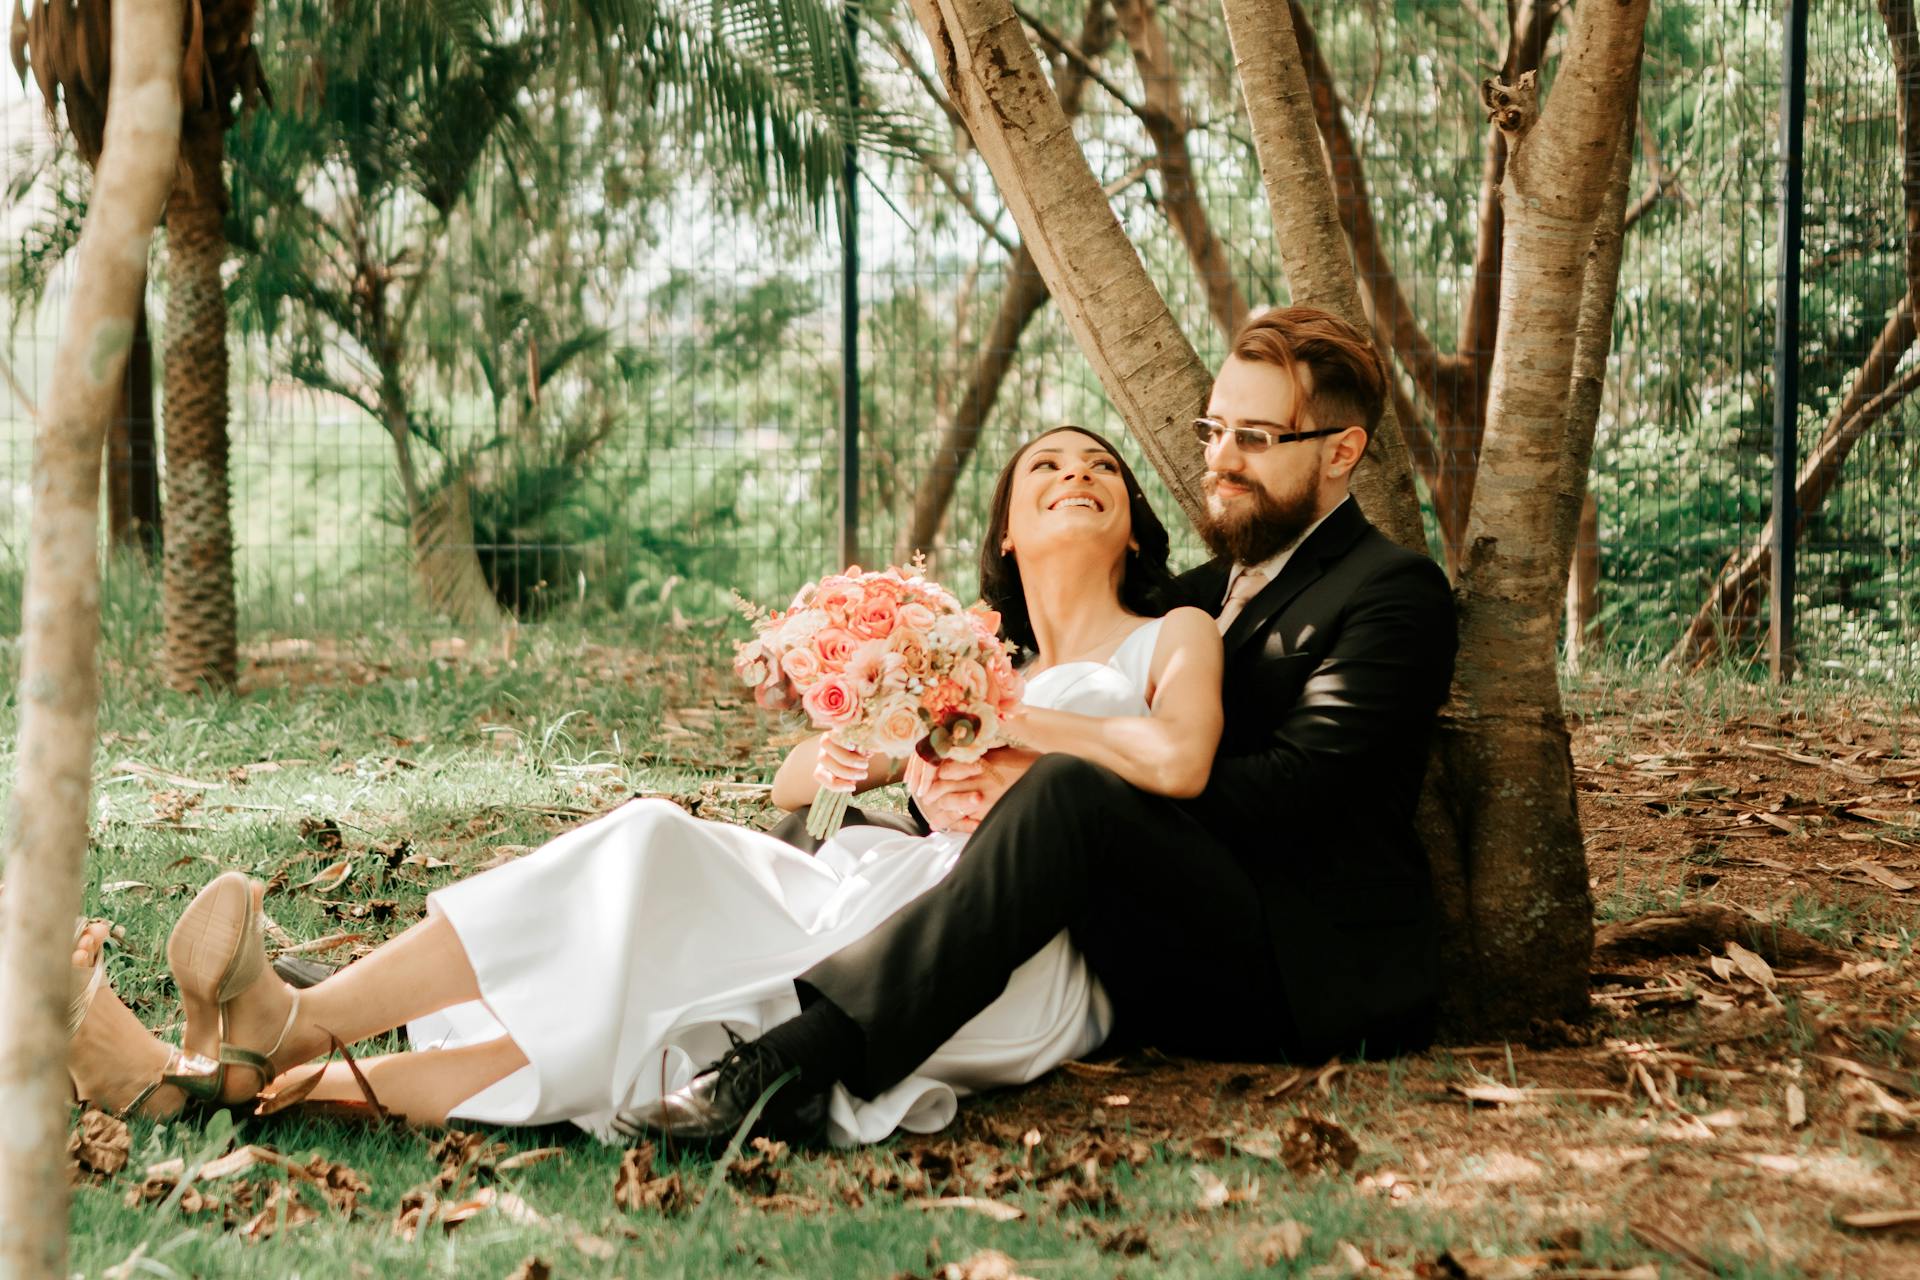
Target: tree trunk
x,y
1121,322
199,605
1306,224
1733,601
1583,588
1165,117
133,479
1020,302
1503,738
46,833
1025,293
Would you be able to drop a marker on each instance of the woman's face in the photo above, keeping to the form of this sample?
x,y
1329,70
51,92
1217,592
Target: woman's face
x,y
1068,490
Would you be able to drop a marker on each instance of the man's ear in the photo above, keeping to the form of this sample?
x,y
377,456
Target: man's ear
x,y
1344,456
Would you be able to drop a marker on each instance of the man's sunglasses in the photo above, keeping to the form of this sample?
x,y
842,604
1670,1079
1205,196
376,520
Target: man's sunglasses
x,y
1208,432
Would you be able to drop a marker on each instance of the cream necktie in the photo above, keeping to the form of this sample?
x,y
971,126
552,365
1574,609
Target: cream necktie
x,y
1246,585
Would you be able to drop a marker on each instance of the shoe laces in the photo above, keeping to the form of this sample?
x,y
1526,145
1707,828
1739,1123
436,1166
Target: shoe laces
x,y
746,1071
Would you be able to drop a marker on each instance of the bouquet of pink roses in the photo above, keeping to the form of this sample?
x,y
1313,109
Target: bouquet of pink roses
x,y
884,662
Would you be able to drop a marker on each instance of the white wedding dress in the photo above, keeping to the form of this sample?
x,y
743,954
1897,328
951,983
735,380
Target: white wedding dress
x,y
619,955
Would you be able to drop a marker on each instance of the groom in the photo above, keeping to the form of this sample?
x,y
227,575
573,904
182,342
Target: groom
x,y
1285,912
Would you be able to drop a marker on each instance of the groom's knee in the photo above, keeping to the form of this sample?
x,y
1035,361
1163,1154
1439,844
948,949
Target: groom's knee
x,y
1074,784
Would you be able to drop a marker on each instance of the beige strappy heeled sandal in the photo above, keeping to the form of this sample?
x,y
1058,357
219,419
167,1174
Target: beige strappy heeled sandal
x,y
183,1070
217,950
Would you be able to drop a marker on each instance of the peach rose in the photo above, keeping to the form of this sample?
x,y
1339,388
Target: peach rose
x,y
832,703
971,676
897,728
914,616
873,617
802,666
868,666
834,646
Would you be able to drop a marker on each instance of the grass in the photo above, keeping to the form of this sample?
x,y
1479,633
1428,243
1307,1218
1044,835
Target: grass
x,y
459,758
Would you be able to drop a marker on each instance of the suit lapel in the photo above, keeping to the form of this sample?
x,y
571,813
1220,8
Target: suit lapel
x,y
1308,562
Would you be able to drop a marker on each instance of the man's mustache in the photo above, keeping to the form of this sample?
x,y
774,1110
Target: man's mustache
x,y
1213,479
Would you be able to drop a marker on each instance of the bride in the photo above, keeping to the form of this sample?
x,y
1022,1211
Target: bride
x,y
602,971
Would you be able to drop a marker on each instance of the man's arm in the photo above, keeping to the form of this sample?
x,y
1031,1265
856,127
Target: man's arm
x,y
1383,679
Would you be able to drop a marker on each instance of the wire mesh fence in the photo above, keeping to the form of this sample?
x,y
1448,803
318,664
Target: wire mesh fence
x,y
626,363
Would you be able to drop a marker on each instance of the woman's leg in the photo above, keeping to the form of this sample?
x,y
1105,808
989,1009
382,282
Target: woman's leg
x,y
113,1056
420,1087
422,970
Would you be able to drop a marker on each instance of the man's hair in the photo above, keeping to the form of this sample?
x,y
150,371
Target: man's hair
x,y
1349,378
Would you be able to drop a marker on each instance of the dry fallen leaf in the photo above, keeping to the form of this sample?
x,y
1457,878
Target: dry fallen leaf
x,y
1882,1219
99,1144
1796,1106
988,1264
523,1159
1282,1244
531,1268
635,1187
284,1210
998,1210
1507,1095
329,879
1751,965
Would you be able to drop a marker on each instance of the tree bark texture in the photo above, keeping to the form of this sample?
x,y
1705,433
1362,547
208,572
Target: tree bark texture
x,y
1452,385
1306,222
1508,767
1733,602
1117,315
133,466
199,606
1582,630
1024,294
46,833
1164,116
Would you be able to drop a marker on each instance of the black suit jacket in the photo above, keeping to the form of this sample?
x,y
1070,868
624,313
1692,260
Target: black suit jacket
x,y
1334,673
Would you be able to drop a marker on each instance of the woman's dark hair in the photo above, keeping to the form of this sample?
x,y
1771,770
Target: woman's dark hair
x,y
1145,579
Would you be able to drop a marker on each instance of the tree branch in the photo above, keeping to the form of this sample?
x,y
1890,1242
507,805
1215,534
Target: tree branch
x,y
1078,59
19,392
1167,124
1392,314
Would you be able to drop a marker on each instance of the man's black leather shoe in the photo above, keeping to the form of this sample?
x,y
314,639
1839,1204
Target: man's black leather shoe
x,y
712,1106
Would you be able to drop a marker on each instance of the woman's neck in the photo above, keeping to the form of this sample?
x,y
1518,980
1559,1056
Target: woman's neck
x,y
1075,613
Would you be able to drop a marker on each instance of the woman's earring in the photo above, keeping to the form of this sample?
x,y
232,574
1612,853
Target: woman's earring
x,y
1006,549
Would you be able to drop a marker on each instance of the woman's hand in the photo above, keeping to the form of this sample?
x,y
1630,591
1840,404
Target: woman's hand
x,y
841,768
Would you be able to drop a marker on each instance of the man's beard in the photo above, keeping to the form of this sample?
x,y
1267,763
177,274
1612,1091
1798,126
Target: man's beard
x,y
1262,525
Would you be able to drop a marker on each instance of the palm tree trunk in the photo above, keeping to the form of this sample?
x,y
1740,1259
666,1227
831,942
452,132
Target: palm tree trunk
x,y
199,605
1117,315
1503,737
133,479
45,840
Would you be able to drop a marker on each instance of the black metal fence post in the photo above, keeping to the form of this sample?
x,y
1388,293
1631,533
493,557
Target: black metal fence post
x,y
850,310
1786,345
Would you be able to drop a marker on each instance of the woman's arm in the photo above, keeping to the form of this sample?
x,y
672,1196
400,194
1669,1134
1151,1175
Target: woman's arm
x,y
1170,750
809,766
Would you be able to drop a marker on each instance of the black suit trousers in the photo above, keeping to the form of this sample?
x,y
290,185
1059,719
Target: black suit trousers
x,y
1166,916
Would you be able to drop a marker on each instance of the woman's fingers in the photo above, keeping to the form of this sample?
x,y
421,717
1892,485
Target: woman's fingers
x,y
840,767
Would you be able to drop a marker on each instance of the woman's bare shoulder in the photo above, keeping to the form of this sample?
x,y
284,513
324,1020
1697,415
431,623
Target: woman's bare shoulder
x,y
1187,628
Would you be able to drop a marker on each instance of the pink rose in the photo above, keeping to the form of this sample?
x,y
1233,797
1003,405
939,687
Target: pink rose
x,y
802,666
873,618
989,619
834,646
914,616
832,703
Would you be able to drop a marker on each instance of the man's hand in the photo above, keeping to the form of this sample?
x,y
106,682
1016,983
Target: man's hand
x,y
955,794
